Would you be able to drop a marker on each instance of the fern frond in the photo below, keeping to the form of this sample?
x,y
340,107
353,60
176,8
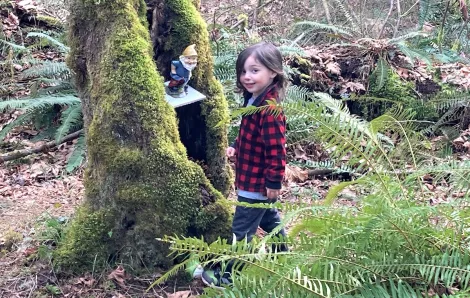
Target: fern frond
x,y
78,155
62,47
48,69
457,173
291,51
401,39
446,102
15,47
39,103
414,53
14,104
424,8
310,25
349,16
70,119
224,74
18,121
48,101
382,73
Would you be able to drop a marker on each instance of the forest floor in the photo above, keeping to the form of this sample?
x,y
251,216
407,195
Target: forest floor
x,y
38,196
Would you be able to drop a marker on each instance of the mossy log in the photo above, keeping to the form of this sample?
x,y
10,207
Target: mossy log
x,y
139,182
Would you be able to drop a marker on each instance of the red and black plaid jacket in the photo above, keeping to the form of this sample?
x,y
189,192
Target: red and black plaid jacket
x,y
260,147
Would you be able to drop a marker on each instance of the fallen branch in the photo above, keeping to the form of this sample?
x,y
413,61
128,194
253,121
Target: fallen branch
x,y
320,172
25,152
251,13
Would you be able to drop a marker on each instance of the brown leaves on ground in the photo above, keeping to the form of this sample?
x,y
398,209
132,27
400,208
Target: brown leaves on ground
x,y
295,174
119,276
346,69
462,143
181,294
10,24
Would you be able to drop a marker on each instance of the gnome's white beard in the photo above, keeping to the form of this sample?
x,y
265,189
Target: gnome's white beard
x,y
188,66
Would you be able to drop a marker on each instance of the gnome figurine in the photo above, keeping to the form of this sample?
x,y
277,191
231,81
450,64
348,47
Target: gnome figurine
x,y
181,72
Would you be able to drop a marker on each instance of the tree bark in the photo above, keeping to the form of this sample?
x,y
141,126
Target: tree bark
x,y
140,184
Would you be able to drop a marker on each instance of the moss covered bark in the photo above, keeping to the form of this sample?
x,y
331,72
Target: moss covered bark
x,y
175,27
139,182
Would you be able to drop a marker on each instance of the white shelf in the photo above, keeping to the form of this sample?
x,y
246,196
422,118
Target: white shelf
x,y
192,97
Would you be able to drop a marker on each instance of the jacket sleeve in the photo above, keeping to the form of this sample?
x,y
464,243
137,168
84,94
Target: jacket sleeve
x,y
273,133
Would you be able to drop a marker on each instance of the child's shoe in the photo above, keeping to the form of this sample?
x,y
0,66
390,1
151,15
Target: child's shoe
x,y
215,278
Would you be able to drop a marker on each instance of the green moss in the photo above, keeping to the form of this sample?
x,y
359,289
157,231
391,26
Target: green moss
x,y
303,65
214,215
11,239
188,27
304,78
394,88
49,21
139,182
88,240
395,92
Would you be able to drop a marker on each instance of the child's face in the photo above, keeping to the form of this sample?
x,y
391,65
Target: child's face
x,y
255,77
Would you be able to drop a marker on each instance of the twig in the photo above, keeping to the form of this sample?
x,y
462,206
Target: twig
x,y
327,11
297,39
251,13
412,6
255,16
386,18
398,20
25,152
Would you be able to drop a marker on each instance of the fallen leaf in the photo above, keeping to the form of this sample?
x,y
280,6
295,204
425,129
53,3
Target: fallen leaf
x,y
180,294
89,282
333,68
300,152
295,174
119,276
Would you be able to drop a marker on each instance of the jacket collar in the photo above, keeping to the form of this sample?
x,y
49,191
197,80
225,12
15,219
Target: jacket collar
x,y
271,90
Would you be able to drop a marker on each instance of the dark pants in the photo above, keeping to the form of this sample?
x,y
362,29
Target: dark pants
x,y
246,221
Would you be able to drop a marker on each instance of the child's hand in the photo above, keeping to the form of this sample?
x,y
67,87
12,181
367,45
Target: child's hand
x,y
230,152
272,193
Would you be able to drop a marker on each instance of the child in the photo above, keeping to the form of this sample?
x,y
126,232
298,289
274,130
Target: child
x,y
259,150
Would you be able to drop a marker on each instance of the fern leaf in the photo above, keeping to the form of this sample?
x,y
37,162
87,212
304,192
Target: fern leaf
x,y
62,47
349,16
414,54
69,119
382,73
15,47
401,39
424,8
335,190
48,101
78,155
18,121
14,104
315,25
48,69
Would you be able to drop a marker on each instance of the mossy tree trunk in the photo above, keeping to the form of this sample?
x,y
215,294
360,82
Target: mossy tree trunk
x,y
139,181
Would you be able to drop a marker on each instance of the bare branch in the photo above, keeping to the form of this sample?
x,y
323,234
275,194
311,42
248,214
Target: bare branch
x,y
25,152
327,11
398,20
386,18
